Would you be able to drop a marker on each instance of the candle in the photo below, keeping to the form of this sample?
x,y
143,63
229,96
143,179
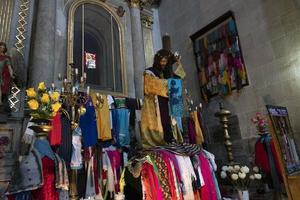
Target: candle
x,y
73,90
62,90
88,90
81,79
52,85
59,76
65,80
76,71
97,94
84,75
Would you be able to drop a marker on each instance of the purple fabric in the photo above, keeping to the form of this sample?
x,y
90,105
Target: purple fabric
x,y
192,132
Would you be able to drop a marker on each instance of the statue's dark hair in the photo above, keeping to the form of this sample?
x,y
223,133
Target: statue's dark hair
x,y
171,60
5,47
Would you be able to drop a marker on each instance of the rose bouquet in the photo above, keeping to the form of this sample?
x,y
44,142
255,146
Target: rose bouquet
x,y
261,123
240,176
42,104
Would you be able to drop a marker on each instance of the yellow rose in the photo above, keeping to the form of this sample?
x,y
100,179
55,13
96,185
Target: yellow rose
x,y
55,107
33,104
42,86
55,96
45,98
30,92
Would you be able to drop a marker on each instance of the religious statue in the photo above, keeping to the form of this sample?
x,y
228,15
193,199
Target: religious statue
x,y
156,123
6,75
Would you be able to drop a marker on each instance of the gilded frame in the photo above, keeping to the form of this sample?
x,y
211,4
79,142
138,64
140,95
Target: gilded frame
x,y
70,41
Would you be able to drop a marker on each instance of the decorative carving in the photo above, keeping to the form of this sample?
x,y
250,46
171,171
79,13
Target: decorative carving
x,y
23,14
147,21
120,11
142,3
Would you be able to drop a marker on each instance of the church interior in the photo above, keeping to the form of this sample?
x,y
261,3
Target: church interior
x,y
149,99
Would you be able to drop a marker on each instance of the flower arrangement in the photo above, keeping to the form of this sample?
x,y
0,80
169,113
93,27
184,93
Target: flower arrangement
x,y
261,123
42,104
240,176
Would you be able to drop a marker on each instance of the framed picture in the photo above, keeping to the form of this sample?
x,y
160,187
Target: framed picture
x,y
283,132
219,57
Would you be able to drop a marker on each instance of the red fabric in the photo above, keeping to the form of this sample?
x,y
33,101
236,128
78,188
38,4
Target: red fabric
x,y
6,78
262,159
96,176
115,160
54,136
208,191
151,187
170,177
48,190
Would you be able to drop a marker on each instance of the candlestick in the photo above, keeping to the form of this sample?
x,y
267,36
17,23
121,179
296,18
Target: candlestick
x,y
76,71
88,90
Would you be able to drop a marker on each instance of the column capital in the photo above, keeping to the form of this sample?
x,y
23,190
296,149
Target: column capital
x,y
142,3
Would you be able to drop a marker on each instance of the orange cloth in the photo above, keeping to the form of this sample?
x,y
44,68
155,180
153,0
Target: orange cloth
x,y
199,134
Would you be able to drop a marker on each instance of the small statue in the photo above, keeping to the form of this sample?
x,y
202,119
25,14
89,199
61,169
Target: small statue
x,y
6,75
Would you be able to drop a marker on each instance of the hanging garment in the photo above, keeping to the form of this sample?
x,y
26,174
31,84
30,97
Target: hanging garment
x,y
28,176
208,190
121,126
133,186
115,161
191,131
61,174
103,118
152,133
87,123
187,176
213,166
76,160
65,148
90,190
175,97
48,190
54,136
199,135
108,177
162,174
150,183
44,148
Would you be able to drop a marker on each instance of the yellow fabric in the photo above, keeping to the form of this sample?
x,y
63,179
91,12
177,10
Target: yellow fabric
x,y
199,134
180,71
155,86
151,127
122,182
103,118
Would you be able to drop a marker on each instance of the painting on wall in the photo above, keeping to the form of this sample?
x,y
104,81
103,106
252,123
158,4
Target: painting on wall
x,y
219,59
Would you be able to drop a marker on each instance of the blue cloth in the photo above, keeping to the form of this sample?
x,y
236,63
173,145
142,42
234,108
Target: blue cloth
x,y
88,125
44,149
120,118
179,123
175,97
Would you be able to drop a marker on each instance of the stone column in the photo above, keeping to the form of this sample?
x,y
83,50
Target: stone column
x,y
42,60
139,62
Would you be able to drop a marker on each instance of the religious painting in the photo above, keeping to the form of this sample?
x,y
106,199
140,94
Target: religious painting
x,y
90,60
219,59
282,129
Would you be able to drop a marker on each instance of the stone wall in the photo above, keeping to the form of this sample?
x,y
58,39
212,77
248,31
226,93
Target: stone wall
x,y
270,39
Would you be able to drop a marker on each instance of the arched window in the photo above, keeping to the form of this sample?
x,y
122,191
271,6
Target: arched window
x,y
96,45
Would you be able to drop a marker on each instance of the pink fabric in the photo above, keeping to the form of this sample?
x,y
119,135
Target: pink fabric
x,y
170,176
115,160
151,187
208,191
54,136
